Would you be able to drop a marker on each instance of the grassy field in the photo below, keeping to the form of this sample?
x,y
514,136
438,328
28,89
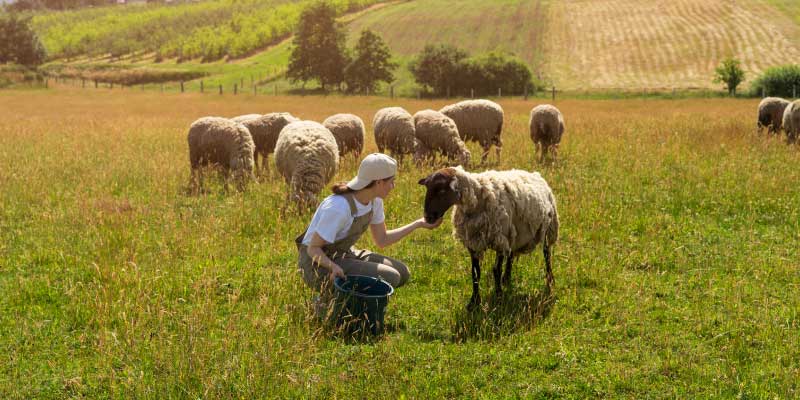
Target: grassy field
x,y
677,268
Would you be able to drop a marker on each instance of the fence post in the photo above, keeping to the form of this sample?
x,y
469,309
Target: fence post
x,y
499,92
554,93
419,95
526,92
391,92
46,82
241,82
220,89
181,86
448,92
201,86
472,93
235,89
83,83
255,87
95,83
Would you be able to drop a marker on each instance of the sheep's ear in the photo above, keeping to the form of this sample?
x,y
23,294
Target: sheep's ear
x,y
423,181
454,184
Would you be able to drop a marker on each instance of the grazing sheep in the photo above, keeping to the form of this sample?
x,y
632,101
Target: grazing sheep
x,y
348,129
307,157
547,127
479,121
770,114
265,130
509,212
791,121
394,131
217,140
437,132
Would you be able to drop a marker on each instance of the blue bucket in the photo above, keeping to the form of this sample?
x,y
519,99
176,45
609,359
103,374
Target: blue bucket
x,y
361,303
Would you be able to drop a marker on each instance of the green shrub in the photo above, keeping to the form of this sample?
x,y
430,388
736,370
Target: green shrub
x,y
779,81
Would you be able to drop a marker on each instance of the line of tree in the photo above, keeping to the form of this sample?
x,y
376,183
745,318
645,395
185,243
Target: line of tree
x,y
447,70
320,54
19,44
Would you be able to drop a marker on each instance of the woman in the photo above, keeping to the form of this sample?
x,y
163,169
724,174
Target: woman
x,y
326,247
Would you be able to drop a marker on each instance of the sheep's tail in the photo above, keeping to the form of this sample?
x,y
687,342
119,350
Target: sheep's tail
x,y
551,234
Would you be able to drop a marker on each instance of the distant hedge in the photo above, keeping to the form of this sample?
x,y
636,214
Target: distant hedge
x,y
777,81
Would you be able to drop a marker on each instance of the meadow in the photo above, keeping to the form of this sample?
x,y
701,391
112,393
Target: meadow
x,y
676,270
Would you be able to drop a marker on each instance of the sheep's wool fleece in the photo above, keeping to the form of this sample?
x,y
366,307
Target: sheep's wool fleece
x,y
546,124
477,120
306,156
770,111
791,119
220,140
394,130
506,211
348,129
266,128
438,132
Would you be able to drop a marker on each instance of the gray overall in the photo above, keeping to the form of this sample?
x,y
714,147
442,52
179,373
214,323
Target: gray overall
x,y
351,260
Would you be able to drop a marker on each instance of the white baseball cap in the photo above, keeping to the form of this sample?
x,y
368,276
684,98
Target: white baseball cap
x,y
373,167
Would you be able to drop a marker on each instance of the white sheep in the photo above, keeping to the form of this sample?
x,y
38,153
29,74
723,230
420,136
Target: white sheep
x,y
437,132
547,127
770,114
479,121
348,129
220,141
509,212
307,157
265,130
394,131
791,121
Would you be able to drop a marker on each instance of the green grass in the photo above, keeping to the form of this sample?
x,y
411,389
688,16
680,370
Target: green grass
x,y
676,270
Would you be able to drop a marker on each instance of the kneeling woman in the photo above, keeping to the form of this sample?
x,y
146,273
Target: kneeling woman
x,y
326,247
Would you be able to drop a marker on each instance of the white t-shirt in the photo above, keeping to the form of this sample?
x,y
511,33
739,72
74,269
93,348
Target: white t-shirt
x,y
332,219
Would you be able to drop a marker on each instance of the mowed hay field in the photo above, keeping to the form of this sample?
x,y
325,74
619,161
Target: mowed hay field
x,y
677,269
666,43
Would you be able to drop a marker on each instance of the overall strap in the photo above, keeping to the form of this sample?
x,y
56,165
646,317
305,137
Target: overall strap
x,y
350,197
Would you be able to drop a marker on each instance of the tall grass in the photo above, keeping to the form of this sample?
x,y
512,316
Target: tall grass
x,y
676,271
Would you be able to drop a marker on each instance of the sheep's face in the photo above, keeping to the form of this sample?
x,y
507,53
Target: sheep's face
x,y
442,193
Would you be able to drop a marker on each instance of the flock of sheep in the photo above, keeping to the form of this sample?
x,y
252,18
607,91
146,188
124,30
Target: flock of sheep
x,y
307,153
510,212
777,114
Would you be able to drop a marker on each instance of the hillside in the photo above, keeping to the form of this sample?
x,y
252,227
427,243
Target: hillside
x,y
573,44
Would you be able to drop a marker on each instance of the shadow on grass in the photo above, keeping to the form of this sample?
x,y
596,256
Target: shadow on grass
x,y
501,316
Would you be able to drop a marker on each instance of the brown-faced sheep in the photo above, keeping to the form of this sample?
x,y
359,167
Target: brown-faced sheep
x,y
547,127
436,132
307,157
770,114
265,130
348,129
479,121
394,132
220,141
509,212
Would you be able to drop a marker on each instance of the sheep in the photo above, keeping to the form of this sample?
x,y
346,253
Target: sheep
x,y
348,129
509,212
547,127
217,140
437,132
479,121
770,114
265,130
791,121
307,157
394,131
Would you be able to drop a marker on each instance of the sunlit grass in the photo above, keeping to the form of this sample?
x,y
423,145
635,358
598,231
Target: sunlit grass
x,y
676,272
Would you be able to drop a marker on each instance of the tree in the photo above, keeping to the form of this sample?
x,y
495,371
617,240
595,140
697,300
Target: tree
x,y
730,73
370,65
19,43
319,47
439,67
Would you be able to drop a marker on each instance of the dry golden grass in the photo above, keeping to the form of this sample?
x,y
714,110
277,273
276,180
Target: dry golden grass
x,y
664,43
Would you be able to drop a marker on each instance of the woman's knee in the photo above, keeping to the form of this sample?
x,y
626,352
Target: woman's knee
x,y
391,275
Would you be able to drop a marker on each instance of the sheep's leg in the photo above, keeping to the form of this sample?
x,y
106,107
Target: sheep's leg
x,y
476,278
507,275
485,154
498,273
544,151
550,278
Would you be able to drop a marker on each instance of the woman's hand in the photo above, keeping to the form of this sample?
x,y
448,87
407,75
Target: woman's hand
x,y
337,272
422,223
